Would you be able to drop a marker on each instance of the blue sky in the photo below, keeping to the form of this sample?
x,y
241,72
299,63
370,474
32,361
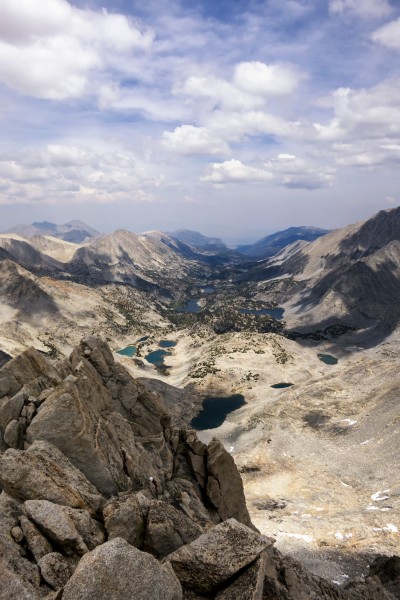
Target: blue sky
x,y
234,118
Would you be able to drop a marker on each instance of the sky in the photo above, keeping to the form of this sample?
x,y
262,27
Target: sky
x,y
235,118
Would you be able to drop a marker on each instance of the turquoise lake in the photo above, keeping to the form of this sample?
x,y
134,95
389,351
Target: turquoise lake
x,y
128,351
156,358
215,410
328,359
167,344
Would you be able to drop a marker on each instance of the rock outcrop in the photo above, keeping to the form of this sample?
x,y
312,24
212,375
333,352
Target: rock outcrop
x,y
103,500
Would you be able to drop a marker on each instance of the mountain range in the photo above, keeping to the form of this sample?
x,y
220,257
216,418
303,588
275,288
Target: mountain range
x,y
194,320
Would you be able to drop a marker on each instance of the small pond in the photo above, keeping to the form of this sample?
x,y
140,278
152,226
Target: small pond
x,y
191,307
128,351
280,386
328,359
208,290
143,339
215,410
156,358
167,344
275,313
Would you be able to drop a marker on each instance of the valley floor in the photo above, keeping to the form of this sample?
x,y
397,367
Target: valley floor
x,y
319,460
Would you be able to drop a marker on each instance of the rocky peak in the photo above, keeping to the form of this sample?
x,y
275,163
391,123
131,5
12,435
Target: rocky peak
x,y
103,499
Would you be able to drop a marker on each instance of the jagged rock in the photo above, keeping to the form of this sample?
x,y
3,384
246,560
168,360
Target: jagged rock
x,y
55,570
89,529
5,385
224,484
387,569
56,524
26,368
250,584
11,434
117,571
43,472
287,580
10,410
12,587
110,428
123,518
217,555
168,529
11,552
37,543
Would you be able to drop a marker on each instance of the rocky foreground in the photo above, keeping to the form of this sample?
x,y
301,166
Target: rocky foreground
x,y
103,499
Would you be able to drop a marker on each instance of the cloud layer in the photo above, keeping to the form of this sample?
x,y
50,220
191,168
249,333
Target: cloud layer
x,y
175,101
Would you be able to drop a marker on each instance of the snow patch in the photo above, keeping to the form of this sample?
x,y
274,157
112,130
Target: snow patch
x,y
379,496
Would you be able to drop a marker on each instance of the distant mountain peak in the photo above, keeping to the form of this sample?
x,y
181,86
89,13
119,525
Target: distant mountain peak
x,y
272,244
197,239
73,231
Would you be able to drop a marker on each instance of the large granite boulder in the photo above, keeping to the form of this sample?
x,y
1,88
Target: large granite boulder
x,y
123,517
43,472
217,555
168,529
117,571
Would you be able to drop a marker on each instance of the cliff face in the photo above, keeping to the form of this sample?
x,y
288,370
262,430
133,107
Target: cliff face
x,y
103,499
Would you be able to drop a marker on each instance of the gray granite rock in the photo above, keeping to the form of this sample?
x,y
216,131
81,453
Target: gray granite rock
x,y
168,529
118,571
217,555
53,521
12,434
37,543
123,518
55,570
224,484
43,472
249,585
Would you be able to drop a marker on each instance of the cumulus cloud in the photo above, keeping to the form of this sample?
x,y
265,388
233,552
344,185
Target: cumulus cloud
x,y
285,170
262,79
388,35
299,173
230,109
234,171
361,8
60,174
188,139
50,49
364,114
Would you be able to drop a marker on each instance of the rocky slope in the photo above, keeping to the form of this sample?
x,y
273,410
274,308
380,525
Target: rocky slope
x,y
103,499
350,277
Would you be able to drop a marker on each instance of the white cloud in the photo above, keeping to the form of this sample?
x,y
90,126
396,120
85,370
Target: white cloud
x,y
361,8
388,35
262,79
228,110
286,170
234,171
50,49
365,113
188,139
61,174
294,172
